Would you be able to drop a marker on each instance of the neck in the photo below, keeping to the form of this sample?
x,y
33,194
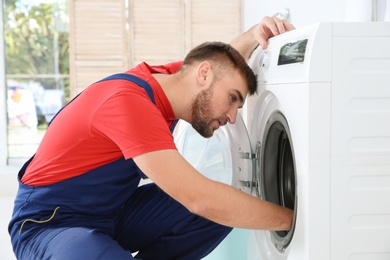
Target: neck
x,y
180,96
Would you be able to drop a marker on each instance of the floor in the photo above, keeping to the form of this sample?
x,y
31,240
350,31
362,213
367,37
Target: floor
x,y
8,187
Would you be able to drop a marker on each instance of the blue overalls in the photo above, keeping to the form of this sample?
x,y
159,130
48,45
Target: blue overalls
x,y
104,214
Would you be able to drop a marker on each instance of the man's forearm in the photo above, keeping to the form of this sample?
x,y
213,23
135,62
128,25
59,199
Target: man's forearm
x,y
245,43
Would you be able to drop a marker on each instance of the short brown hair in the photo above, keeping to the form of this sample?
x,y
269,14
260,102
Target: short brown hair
x,y
222,55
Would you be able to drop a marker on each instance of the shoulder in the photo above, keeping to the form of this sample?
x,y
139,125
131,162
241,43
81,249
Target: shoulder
x,y
173,67
144,69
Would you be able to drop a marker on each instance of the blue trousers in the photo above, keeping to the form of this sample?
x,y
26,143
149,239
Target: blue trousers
x,y
103,214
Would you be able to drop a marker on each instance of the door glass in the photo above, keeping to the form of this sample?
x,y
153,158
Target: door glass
x,y
37,70
210,156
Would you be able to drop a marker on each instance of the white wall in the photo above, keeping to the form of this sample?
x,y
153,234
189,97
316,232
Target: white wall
x,y
305,12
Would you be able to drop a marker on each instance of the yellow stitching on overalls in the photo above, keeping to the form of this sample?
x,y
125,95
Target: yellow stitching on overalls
x,y
39,221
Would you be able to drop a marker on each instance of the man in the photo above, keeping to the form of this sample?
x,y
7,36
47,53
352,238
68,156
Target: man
x,y
79,197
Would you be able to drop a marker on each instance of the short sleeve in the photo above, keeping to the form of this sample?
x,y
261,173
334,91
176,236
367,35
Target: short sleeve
x,y
133,123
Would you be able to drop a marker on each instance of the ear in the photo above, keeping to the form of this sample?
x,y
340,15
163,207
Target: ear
x,y
204,73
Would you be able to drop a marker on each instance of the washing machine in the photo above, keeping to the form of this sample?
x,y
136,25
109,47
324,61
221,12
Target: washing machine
x,y
316,139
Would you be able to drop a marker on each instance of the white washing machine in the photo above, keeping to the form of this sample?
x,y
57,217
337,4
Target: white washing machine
x,y
319,142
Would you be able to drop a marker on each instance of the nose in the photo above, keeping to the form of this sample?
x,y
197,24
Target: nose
x,y
231,115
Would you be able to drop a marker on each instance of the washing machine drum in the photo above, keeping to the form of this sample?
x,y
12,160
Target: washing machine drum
x,y
276,171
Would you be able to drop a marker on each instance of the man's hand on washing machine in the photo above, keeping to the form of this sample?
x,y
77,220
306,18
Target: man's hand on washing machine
x,y
259,34
269,27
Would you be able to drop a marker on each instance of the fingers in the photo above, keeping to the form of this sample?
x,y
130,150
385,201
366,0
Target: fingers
x,y
277,26
287,25
269,27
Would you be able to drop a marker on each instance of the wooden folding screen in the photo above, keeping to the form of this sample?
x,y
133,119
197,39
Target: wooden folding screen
x,y
110,36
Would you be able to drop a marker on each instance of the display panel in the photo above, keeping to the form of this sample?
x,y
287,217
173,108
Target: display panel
x,y
292,52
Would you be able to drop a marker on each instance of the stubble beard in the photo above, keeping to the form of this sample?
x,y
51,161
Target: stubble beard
x,y
202,113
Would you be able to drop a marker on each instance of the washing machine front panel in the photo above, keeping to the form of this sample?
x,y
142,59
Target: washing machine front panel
x,y
360,198
336,110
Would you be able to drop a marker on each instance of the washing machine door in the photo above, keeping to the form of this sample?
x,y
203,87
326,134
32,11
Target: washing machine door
x,y
275,170
224,157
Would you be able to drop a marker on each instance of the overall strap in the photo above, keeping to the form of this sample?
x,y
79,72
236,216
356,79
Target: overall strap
x,y
140,82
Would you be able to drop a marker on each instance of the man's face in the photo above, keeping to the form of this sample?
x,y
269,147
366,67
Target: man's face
x,y
218,104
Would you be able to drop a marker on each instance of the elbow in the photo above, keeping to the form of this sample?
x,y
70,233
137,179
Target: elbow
x,y
196,207
200,207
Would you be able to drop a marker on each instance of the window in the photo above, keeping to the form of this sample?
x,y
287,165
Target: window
x,y
37,70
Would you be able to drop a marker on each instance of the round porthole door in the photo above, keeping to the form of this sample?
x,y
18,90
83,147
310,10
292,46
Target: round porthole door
x,y
222,157
275,170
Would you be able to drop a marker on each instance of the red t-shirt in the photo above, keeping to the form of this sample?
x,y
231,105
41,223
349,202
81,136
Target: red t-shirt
x,y
107,121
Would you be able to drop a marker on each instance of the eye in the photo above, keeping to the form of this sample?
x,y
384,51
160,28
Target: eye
x,y
233,98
